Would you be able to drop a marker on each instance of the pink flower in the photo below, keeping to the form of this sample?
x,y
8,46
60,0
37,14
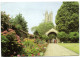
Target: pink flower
x,y
18,55
14,52
36,48
5,32
10,29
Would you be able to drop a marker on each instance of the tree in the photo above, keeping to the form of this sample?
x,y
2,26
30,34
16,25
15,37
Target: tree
x,y
4,21
67,18
33,29
19,22
43,27
44,37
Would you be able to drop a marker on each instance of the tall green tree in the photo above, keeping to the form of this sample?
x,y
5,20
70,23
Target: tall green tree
x,y
67,18
19,22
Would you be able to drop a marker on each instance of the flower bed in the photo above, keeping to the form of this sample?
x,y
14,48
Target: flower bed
x,y
33,49
13,46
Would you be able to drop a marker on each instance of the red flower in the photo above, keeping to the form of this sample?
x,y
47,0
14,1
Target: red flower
x,y
23,55
23,47
38,53
32,54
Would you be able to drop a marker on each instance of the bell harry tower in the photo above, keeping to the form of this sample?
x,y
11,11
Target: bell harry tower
x,y
48,17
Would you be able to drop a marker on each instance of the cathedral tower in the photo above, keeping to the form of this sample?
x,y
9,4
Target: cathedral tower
x,y
48,17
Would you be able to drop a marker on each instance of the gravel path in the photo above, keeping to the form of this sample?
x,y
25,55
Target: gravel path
x,y
57,50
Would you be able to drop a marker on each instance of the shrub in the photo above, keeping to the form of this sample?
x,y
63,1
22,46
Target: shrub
x,y
62,36
74,36
28,42
11,43
44,37
4,43
33,49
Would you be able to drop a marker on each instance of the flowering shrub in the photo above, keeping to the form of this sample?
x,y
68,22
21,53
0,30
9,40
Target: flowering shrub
x,y
26,39
12,45
32,48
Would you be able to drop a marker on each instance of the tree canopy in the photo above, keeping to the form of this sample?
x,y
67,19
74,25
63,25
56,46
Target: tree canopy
x,y
67,18
43,27
19,22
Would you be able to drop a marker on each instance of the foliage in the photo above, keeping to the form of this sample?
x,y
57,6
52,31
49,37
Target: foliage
x,y
4,42
11,43
51,36
4,39
42,28
74,36
28,42
62,36
67,18
4,21
39,41
19,22
36,33
33,49
34,28
72,46
44,37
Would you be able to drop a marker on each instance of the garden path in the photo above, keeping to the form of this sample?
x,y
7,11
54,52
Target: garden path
x,y
57,50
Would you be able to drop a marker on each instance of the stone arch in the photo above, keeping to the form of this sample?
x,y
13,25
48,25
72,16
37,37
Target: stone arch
x,y
53,31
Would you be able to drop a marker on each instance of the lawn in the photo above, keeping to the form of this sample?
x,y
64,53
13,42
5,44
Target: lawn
x,y
72,46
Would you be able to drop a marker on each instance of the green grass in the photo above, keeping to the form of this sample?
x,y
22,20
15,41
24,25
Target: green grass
x,y
72,46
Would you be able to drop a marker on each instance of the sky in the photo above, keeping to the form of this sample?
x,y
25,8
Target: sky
x,y
33,12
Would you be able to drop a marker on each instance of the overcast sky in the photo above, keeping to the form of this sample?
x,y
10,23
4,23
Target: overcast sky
x,y
33,12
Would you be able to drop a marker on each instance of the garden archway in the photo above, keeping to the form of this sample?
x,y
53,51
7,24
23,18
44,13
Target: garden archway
x,y
54,33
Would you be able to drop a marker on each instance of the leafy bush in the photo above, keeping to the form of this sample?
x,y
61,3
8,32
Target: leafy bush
x,y
44,37
28,42
11,43
62,36
74,36
51,36
4,43
33,49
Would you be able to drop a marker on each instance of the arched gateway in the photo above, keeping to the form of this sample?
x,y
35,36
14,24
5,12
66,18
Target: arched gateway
x,y
53,32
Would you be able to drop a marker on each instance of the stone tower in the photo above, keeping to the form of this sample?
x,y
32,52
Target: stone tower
x,y
48,17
